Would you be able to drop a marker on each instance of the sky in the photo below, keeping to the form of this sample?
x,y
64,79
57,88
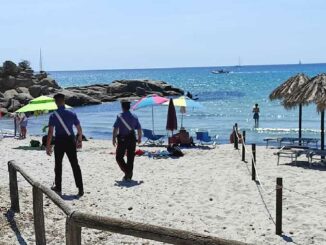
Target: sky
x,y
127,34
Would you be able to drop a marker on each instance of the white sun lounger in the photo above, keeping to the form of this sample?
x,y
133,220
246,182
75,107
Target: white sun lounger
x,y
292,152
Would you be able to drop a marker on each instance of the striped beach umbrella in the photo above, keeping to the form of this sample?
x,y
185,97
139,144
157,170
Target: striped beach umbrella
x,y
150,101
185,102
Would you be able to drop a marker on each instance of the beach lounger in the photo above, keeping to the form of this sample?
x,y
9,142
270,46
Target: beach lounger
x,y
307,141
152,139
204,138
270,139
292,152
316,152
288,140
292,141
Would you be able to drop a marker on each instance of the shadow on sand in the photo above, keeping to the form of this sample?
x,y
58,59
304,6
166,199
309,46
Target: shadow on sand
x,y
10,216
28,148
128,184
70,197
320,166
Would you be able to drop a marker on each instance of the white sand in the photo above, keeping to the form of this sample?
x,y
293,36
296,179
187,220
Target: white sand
x,y
207,191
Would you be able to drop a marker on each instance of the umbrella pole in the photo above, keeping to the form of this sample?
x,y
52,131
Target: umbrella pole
x,y
300,123
322,129
181,120
153,118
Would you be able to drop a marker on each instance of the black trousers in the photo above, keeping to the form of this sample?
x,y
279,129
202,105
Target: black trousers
x,y
126,144
68,146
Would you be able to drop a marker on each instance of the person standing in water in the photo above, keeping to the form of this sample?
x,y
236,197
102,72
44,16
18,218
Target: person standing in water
x,y
256,111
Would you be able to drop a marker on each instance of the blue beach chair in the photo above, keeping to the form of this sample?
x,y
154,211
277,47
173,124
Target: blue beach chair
x,y
151,138
205,138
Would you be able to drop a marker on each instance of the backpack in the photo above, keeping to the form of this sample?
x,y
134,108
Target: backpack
x,y
175,151
35,143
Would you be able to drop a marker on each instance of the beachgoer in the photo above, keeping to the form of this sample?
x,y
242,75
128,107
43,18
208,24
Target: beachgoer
x,y
189,95
23,125
234,133
17,124
62,121
124,138
256,111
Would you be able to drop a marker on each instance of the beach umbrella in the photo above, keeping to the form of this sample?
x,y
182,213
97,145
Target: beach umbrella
x,y
286,89
42,104
171,122
314,91
185,102
150,101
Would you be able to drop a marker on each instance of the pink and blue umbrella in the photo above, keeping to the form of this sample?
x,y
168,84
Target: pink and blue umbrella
x,y
150,101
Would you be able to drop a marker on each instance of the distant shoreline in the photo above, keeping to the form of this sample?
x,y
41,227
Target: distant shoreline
x,y
182,67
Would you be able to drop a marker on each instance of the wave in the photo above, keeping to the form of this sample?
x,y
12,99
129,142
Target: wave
x,y
285,130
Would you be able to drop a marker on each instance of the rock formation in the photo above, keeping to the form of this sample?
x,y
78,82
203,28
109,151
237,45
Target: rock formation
x,y
19,85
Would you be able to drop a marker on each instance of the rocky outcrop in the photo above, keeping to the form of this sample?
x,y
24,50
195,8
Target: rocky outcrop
x,y
19,85
127,88
16,91
78,99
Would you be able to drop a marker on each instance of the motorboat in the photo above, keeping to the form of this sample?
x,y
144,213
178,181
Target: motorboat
x,y
221,71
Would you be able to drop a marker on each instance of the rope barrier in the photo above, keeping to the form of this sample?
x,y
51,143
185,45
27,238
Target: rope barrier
x,y
304,195
253,161
260,187
4,170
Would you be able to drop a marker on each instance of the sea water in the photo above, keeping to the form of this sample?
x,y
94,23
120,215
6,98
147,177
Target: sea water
x,y
227,99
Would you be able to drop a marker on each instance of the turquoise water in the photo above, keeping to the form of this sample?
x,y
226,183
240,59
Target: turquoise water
x,y
227,98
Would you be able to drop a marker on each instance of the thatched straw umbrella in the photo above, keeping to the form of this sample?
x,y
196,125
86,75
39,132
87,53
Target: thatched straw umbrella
x,y
288,88
313,91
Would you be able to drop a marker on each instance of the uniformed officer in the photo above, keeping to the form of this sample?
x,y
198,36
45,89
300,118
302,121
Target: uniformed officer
x,y
124,138
62,121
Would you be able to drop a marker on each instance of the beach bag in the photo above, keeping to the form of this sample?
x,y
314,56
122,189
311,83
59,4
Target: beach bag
x,y
175,151
35,143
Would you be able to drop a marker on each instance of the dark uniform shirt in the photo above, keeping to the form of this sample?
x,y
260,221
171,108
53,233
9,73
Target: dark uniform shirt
x,y
131,119
69,118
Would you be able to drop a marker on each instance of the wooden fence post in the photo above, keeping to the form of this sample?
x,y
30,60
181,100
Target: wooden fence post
x,y
279,192
254,163
236,140
73,232
38,216
13,186
243,146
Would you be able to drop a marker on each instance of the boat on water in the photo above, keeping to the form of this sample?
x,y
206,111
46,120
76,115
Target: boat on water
x,y
221,71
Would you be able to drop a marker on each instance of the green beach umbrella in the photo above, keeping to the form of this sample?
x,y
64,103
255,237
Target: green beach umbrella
x,y
42,104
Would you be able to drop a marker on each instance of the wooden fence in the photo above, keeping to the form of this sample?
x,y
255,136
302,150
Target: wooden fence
x,y
75,219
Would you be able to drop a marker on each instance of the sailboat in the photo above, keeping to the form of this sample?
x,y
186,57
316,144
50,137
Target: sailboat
x,y
41,62
239,62
300,63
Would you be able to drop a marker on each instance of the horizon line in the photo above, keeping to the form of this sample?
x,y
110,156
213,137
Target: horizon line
x,y
182,67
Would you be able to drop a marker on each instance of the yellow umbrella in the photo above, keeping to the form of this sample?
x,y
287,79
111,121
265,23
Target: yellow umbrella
x,y
183,102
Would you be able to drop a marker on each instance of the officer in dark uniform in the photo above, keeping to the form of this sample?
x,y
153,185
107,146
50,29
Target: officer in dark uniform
x,y
124,138
62,121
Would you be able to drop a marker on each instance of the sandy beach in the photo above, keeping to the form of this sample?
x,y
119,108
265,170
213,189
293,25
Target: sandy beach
x,y
206,191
